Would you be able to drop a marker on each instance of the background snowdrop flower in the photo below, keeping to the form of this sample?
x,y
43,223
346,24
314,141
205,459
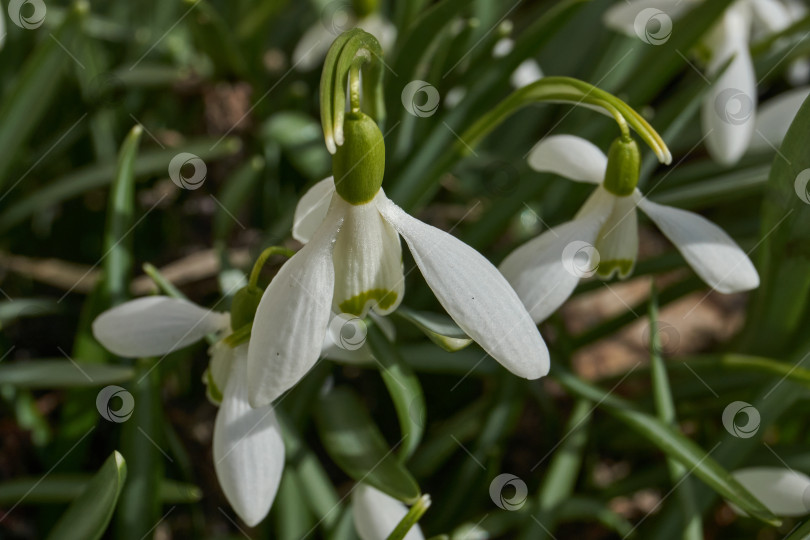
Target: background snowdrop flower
x,y
377,514
352,263
247,445
526,73
544,271
782,491
729,107
314,44
774,119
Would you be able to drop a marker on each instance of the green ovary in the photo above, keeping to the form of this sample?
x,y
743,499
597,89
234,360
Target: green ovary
x,y
380,298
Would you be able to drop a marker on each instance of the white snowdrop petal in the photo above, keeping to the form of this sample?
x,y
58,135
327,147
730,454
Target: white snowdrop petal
x,y
569,156
377,514
248,448
312,47
476,296
617,243
368,261
714,256
782,491
545,270
774,119
292,317
311,209
155,325
729,107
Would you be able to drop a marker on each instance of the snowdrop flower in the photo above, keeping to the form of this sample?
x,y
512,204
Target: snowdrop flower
x,y
729,107
336,18
247,446
782,491
545,270
774,119
352,263
377,514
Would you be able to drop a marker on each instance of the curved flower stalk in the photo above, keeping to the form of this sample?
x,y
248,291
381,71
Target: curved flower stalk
x,y
783,491
544,271
247,446
377,514
729,107
314,44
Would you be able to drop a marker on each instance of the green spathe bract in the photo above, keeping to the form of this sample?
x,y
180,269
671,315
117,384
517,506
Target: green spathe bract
x,y
245,302
359,163
623,166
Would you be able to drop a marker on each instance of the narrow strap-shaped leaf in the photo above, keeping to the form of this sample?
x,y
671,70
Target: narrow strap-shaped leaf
x,y
671,442
61,373
403,387
356,445
88,516
117,256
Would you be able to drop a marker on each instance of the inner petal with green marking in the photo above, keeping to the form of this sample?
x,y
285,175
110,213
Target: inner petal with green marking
x,y
368,263
617,243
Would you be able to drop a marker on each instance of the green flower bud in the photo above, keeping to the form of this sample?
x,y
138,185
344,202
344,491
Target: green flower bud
x,y
359,163
243,309
623,167
363,8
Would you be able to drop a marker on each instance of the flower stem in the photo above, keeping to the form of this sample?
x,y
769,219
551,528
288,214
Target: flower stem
x,y
411,518
354,84
266,254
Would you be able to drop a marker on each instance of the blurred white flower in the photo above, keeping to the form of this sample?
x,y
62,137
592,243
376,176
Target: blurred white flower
x,y
314,44
545,270
783,491
377,514
729,107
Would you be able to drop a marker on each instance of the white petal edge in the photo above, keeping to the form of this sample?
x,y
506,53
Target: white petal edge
x,y
248,448
376,514
774,119
782,491
729,107
526,73
475,295
155,325
569,156
543,272
311,209
714,256
292,317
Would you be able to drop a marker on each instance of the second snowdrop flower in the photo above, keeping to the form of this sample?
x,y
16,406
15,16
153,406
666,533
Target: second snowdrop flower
x,y
545,270
352,263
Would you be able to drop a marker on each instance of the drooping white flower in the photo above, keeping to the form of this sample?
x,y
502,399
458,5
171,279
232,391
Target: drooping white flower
x,y
351,263
729,107
314,44
544,271
783,491
247,445
376,514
